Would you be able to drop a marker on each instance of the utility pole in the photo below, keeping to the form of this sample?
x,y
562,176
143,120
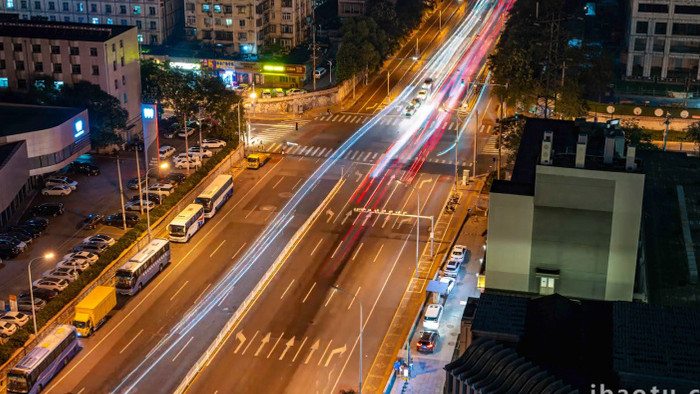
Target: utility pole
x,y
417,46
138,175
667,122
121,193
187,149
476,135
500,140
388,94
313,39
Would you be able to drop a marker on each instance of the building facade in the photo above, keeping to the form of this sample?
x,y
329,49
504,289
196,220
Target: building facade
x,y
104,55
350,8
157,22
664,40
243,26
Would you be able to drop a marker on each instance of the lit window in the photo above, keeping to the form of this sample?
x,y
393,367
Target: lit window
x,y
205,7
110,21
137,10
229,21
80,7
546,285
3,83
10,4
95,21
217,8
140,37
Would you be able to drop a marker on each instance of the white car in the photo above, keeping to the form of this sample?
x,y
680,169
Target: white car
x,y
450,282
432,316
17,318
50,283
452,268
292,92
68,274
196,151
56,190
61,181
422,95
101,238
136,205
78,265
181,133
166,151
428,84
410,110
7,329
458,253
182,156
91,258
194,163
213,143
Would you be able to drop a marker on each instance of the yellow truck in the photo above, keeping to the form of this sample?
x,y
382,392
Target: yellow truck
x,y
92,311
257,160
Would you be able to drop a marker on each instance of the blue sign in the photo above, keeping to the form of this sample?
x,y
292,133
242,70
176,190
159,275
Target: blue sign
x,y
149,113
79,128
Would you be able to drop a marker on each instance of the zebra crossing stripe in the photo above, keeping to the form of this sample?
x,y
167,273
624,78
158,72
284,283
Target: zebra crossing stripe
x,y
315,151
354,155
297,149
366,156
321,152
374,156
360,119
328,153
274,147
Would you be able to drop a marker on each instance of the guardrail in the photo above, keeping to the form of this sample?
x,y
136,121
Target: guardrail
x,y
67,313
257,290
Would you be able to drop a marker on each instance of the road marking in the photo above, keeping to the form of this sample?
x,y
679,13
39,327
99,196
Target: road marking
x,y
287,345
251,341
278,182
329,297
131,341
300,347
353,298
275,345
263,342
336,248
251,211
224,297
217,248
202,293
183,348
339,351
320,360
241,338
354,155
317,245
179,290
313,348
296,184
377,255
357,251
287,289
366,156
81,390
238,251
307,294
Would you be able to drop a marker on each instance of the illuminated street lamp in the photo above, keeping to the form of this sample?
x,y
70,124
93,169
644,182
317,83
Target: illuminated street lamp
x,y
47,256
163,166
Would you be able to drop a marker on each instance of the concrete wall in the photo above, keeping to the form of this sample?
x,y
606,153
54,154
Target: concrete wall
x,y
14,175
304,102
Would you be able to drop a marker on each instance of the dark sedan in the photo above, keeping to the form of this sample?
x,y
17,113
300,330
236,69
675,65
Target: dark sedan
x,y
80,167
117,220
48,209
91,221
427,341
38,222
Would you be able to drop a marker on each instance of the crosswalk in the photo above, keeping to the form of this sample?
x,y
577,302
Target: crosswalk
x,y
490,146
263,133
387,121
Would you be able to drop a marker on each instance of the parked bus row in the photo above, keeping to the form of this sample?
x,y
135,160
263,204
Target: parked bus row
x,y
206,205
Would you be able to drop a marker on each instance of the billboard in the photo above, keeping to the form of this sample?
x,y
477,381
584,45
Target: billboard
x,y
149,117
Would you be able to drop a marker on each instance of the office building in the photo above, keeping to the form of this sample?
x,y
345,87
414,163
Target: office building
x,y
350,8
568,220
663,40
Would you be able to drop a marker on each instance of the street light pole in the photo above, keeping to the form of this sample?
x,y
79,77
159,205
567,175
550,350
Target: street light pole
x,y
31,287
417,223
340,289
121,192
476,135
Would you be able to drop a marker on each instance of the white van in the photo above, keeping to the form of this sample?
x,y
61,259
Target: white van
x,y
319,72
162,189
432,317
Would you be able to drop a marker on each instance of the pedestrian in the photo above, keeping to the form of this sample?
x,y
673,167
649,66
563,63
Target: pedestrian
x,y
328,111
296,125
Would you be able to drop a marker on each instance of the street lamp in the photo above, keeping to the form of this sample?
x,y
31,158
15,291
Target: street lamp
x,y
340,289
163,166
417,222
47,256
459,127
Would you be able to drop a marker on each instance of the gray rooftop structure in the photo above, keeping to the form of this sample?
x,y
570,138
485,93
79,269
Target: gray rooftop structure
x,y
21,118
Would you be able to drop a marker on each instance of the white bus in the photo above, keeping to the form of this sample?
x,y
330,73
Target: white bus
x,y
215,195
186,223
142,267
44,361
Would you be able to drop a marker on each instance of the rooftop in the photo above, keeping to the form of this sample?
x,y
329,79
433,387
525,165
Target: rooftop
x,y
20,118
10,27
7,150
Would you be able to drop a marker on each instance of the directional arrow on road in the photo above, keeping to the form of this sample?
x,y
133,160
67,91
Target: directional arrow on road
x,y
339,351
263,342
423,181
347,215
287,345
241,338
330,215
314,347
358,174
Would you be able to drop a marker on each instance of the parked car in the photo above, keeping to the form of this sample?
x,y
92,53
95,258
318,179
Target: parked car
x,y
166,151
61,181
7,329
181,132
432,316
78,265
320,72
450,282
27,239
169,133
91,258
68,274
191,163
452,268
279,92
213,143
24,303
197,151
57,190
241,88
266,93
38,222
33,232
153,197
294,91
136,205
136,183
50,284
80,167
117,219
48,209
43,294
458,253
17,318
427,339
14,242
100,238
162,189
175,178
422,94
428,84
92,247
92,220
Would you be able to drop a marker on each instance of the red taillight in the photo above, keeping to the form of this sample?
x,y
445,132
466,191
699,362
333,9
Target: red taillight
x,y
430,345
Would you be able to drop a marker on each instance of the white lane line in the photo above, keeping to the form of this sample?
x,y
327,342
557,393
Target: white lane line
x,y
374,156
336,249
296,184
81,390
354,154
275,345
287,289
239,250
353,298
300,347
313,153
322,152
217,248
324,352
183,348
357,251
309,293
251,341
278,182
329,298
317,245
131,341
179,290
251,211
366,156
379,251
202,293
224,297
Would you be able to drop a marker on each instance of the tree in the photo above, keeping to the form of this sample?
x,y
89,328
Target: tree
x,y
153,74
509,141
219,103
692,134
180,91
635,135
347,61
569,102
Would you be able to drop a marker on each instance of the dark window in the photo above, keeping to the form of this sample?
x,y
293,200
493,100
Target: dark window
x,y
121,43
55,49
116,84
2,46
123,79
642,27
657,8
2,64
122,9
75,51
151,10
39,67
37,5
22,83
95,70
122,61
17,47
154,39
19,65
93,51
138,25
52,6
660,28
66,7
36,48
57,68
93,7
114,63
108,8
686,29
114,47
687,9
153,25
75,68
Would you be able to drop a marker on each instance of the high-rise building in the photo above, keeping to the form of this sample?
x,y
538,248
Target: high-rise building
x,y
664,40
157,22
243,26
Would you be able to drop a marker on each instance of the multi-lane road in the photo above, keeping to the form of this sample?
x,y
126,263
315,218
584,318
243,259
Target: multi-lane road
x,y
300,334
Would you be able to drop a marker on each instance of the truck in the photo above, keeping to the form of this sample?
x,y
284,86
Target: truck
x,y
257,160
92,311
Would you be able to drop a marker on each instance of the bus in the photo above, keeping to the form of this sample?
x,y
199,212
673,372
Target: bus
x,y
142,267
186,223
44,361
257,160
215,195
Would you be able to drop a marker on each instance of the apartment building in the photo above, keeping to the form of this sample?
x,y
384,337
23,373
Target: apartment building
x,y
104,55
350,8
242,26
664,40
157,21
